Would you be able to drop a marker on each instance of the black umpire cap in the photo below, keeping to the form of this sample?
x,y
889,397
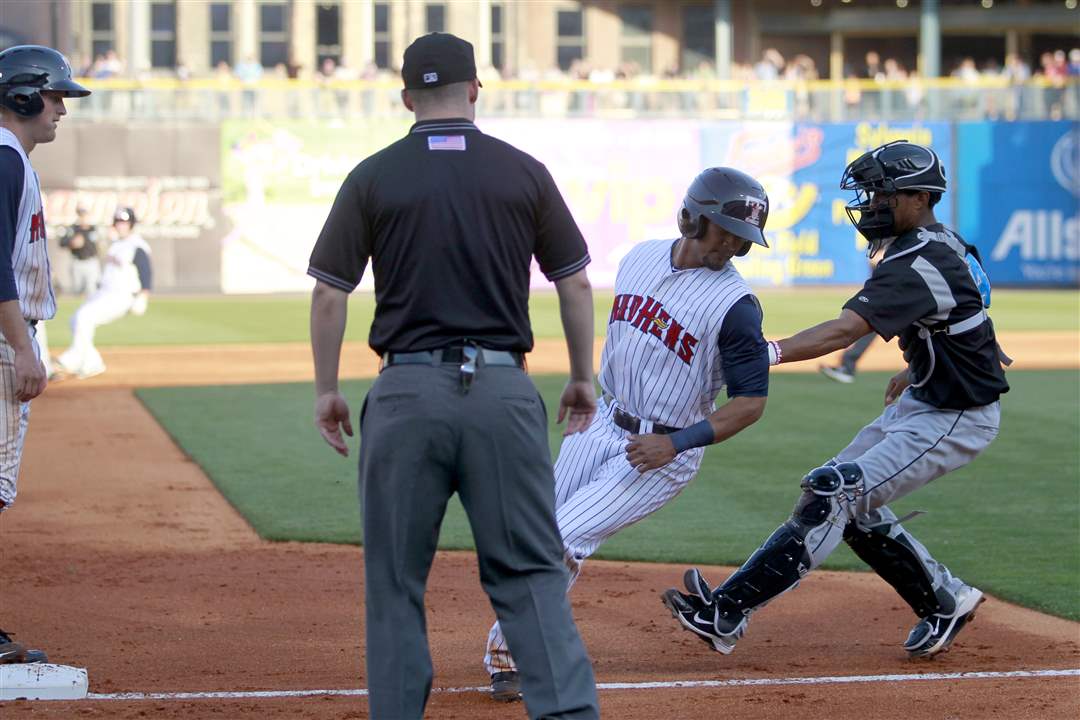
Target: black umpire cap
x,y
437,59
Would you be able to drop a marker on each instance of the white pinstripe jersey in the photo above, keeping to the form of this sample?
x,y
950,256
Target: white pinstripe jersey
x,y
30,257
661,359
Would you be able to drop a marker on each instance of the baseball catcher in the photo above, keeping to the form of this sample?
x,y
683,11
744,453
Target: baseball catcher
x,y
941,411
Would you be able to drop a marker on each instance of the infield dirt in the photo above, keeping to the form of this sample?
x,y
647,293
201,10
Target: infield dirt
x,y
121,557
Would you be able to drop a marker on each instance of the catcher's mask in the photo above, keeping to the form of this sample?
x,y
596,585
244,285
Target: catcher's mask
x,y
28,70
731,199
899,166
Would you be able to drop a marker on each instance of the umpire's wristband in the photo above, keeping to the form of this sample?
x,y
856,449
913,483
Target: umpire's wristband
x,y
697,435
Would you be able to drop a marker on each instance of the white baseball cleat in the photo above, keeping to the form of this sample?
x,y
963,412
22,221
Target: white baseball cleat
x,y
935,633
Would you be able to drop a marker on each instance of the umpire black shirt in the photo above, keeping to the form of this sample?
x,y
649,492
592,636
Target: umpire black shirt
x,y
451,220
922,279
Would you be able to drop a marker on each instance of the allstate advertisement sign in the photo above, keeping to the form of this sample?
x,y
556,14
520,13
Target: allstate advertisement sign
x,y
1020,199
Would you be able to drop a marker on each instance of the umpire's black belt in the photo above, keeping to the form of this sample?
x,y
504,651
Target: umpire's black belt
x,y
456,355
631,424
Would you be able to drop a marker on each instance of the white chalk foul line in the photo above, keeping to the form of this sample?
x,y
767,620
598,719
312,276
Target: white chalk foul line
x,y
742,682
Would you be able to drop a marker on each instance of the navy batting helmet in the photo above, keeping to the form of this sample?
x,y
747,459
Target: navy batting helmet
x,y
731,199
27,70
899,166
124,214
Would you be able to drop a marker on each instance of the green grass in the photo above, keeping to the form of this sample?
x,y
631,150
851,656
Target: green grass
x,y
1010,522
177,320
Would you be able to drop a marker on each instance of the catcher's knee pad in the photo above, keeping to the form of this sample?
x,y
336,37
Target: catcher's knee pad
x,y
887,548
799,545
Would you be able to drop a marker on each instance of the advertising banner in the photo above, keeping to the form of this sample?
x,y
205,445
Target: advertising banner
x,y
1019,199
278,182
623,180
169,175
811,240
1009,190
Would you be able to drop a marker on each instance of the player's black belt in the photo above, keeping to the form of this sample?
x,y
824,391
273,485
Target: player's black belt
x,y
631,424
455,355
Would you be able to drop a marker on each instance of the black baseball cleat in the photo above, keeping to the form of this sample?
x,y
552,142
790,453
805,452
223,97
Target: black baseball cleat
x,y
703,620
935,633
13,652
505,686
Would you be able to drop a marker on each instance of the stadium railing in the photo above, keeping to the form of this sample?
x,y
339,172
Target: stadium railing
x,y
215,99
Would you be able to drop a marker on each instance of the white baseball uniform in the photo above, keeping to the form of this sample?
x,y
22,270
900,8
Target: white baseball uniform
x,y
29,270
121,282
662,364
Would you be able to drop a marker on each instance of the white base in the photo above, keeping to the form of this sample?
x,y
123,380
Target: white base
x,y
42,681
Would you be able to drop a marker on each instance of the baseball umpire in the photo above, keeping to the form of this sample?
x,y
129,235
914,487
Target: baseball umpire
x,y
941,412
451,219
34,81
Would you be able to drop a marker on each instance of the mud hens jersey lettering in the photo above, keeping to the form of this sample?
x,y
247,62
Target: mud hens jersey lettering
x,y
662,359
27,253
649,316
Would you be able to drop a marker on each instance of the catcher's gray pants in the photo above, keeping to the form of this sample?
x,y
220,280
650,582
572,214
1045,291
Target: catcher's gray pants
x,y
907,446
423,438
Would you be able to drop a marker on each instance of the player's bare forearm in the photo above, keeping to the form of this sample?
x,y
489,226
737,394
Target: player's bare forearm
x,y
329,312
736,415
30,377
576,311
825,338
13,326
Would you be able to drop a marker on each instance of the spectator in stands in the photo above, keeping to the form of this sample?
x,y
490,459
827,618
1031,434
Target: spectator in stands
x,y
1016,72
770,66
873,69
1074,62
1055,69
249,72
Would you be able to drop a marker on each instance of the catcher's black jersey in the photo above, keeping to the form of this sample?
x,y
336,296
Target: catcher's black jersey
x,y
920,289
451,219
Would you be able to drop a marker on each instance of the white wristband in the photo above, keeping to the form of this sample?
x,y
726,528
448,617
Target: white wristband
x,y
775,356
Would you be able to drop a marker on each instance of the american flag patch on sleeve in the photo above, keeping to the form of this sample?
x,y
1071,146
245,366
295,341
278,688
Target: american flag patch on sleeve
x,y
446,142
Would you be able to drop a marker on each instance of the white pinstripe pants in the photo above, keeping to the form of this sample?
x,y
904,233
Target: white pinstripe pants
x,y
14,419
598,493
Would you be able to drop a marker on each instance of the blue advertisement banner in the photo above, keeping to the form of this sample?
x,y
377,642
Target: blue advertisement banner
x,y
1019,199
811,240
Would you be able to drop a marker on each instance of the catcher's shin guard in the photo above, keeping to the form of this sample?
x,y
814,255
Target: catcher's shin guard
x,y
890,551
796,547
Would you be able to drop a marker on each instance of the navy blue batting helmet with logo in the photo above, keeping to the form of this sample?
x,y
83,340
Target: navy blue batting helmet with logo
x,y
26,71
729,198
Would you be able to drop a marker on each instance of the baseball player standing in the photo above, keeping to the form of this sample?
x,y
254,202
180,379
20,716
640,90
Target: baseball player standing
x,y
34,81
684,324
941,412
126,281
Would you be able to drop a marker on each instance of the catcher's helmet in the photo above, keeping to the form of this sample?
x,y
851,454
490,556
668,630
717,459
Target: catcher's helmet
x,y
731,199
26,70
894,167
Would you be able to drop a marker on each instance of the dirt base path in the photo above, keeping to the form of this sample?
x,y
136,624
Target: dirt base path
x,y
291,362
120,557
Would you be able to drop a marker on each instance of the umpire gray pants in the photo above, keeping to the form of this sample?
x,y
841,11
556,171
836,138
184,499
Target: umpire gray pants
x,y
422,439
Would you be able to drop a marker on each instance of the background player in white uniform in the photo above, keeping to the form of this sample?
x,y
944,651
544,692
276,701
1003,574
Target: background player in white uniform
x,y
126,280
941,412
683,325
34,81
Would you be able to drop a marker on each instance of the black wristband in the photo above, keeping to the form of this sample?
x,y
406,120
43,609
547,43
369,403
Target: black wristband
x,y
697,435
